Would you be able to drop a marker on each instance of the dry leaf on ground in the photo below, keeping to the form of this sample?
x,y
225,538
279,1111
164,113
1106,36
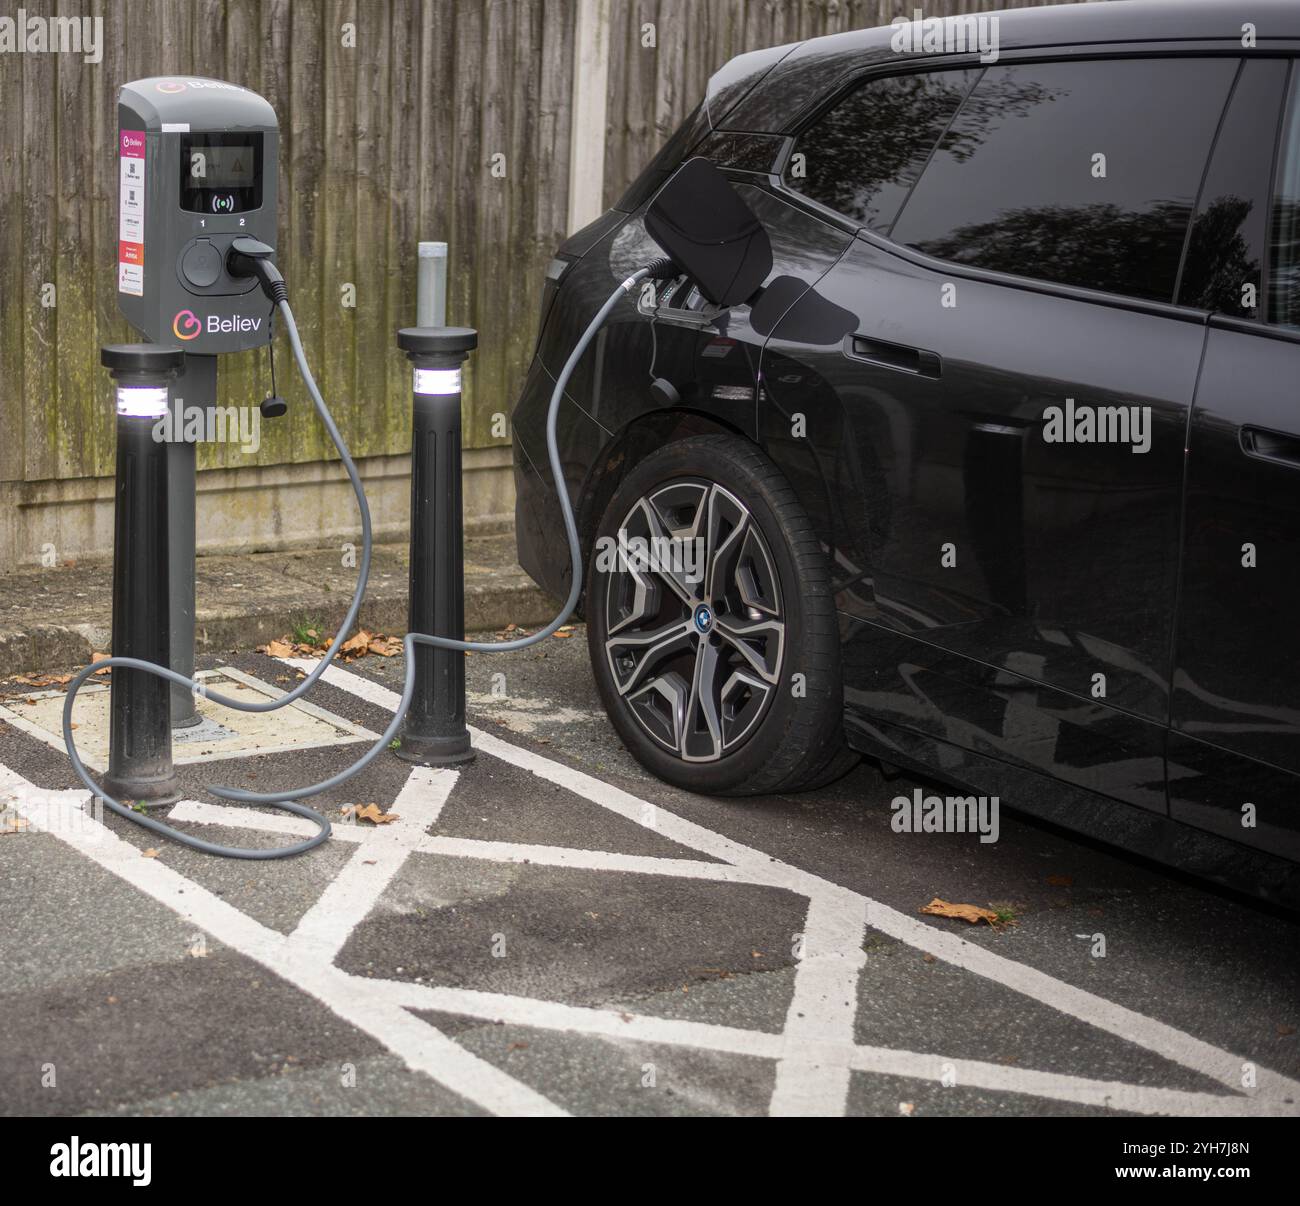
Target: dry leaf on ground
x,y
385,646
151,853
358,644
963,912
369,812
276,649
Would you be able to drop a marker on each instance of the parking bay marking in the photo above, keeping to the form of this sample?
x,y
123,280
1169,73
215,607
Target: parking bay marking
x,y
815,1054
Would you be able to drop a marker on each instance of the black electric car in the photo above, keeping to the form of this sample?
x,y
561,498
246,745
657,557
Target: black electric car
x,y
998,474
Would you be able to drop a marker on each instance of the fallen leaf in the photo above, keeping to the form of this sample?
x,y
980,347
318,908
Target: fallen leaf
x,y
385,646
276,649
517,1047
99,657
928,958
1284,1029
151,853
963,912
561,636
370,812
358,644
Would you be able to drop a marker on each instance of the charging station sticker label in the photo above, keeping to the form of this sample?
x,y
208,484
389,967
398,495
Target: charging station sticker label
x,y
130,214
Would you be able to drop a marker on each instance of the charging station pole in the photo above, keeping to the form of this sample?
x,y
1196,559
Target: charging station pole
x,y
434,732
140,735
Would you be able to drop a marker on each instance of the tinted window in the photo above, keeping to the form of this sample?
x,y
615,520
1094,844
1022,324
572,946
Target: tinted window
x,y
1225,255
1083,172
863,156
1284,252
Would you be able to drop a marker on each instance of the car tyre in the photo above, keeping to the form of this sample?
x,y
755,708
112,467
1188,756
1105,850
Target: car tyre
x,y
716,651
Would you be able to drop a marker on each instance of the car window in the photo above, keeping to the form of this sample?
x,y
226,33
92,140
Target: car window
x,y
1284,243
1223,268
1082,172
862,156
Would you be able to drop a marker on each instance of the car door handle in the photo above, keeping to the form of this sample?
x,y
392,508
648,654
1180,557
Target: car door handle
x,y
1278,446
893,355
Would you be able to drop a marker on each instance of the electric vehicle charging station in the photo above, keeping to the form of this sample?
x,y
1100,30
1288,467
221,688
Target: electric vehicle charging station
x,y
195,271
197,168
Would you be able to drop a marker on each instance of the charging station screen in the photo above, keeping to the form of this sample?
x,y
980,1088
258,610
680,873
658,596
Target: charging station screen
x,y
221,173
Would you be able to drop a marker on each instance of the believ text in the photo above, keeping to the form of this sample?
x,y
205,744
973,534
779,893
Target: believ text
x,y
216,325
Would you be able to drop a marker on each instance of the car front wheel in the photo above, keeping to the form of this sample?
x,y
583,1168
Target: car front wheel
x,y
711,624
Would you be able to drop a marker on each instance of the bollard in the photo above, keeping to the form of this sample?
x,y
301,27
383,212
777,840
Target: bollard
x,y
140,737
431,285
434,732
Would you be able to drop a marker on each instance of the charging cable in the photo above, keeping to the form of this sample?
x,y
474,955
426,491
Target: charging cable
x,y
248,257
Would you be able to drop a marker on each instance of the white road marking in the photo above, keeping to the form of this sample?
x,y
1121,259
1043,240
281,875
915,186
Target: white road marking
x,y
815,1050
199,812
1158,1037
423,1047
353,892
809,1080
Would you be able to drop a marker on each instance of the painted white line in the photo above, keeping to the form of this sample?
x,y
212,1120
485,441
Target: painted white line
x,y
200,812
326,926
822,1008
424,1048
587,860
618,1025
603,1023
1107,1094
1167,1041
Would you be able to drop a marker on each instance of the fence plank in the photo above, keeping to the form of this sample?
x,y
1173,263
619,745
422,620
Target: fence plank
x,y
381,145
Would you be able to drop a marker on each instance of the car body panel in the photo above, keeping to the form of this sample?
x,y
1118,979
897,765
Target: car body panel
x,y
912,430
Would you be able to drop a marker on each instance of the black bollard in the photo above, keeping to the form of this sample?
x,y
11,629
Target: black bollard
x,y
434,732
140,736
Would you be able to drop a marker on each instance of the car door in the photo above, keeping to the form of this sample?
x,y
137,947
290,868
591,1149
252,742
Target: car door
x,y
1234,752
1008,569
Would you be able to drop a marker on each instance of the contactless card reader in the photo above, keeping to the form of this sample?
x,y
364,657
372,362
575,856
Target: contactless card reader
x,y
197,166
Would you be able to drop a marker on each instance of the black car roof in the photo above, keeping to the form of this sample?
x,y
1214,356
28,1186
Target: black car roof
x,y
805,67
1105,21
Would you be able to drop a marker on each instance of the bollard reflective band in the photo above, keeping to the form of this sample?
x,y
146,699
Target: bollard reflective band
x,y
141,401
437,381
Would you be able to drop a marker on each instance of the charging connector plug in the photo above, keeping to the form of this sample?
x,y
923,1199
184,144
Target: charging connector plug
x,y
248,257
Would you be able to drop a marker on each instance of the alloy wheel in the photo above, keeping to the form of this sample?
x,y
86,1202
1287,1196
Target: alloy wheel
x,y
694,622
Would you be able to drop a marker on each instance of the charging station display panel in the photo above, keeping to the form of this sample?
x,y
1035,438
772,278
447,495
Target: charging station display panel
x,y
221,173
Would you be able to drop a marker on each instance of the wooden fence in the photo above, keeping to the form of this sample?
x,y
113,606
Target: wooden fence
x,y
401,120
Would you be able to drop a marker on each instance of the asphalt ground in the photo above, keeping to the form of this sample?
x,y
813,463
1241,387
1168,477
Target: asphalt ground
x,y
549,929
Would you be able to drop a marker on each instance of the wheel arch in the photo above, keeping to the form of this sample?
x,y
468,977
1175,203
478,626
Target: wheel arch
x,y
640,436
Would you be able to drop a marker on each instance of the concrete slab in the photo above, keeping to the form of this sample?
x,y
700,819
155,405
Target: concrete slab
x,y
223,732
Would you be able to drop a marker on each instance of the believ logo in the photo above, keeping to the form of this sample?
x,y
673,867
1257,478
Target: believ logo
x,y
172,86
186,325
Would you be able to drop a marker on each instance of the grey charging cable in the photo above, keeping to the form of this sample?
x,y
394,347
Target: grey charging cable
x,y
274,286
